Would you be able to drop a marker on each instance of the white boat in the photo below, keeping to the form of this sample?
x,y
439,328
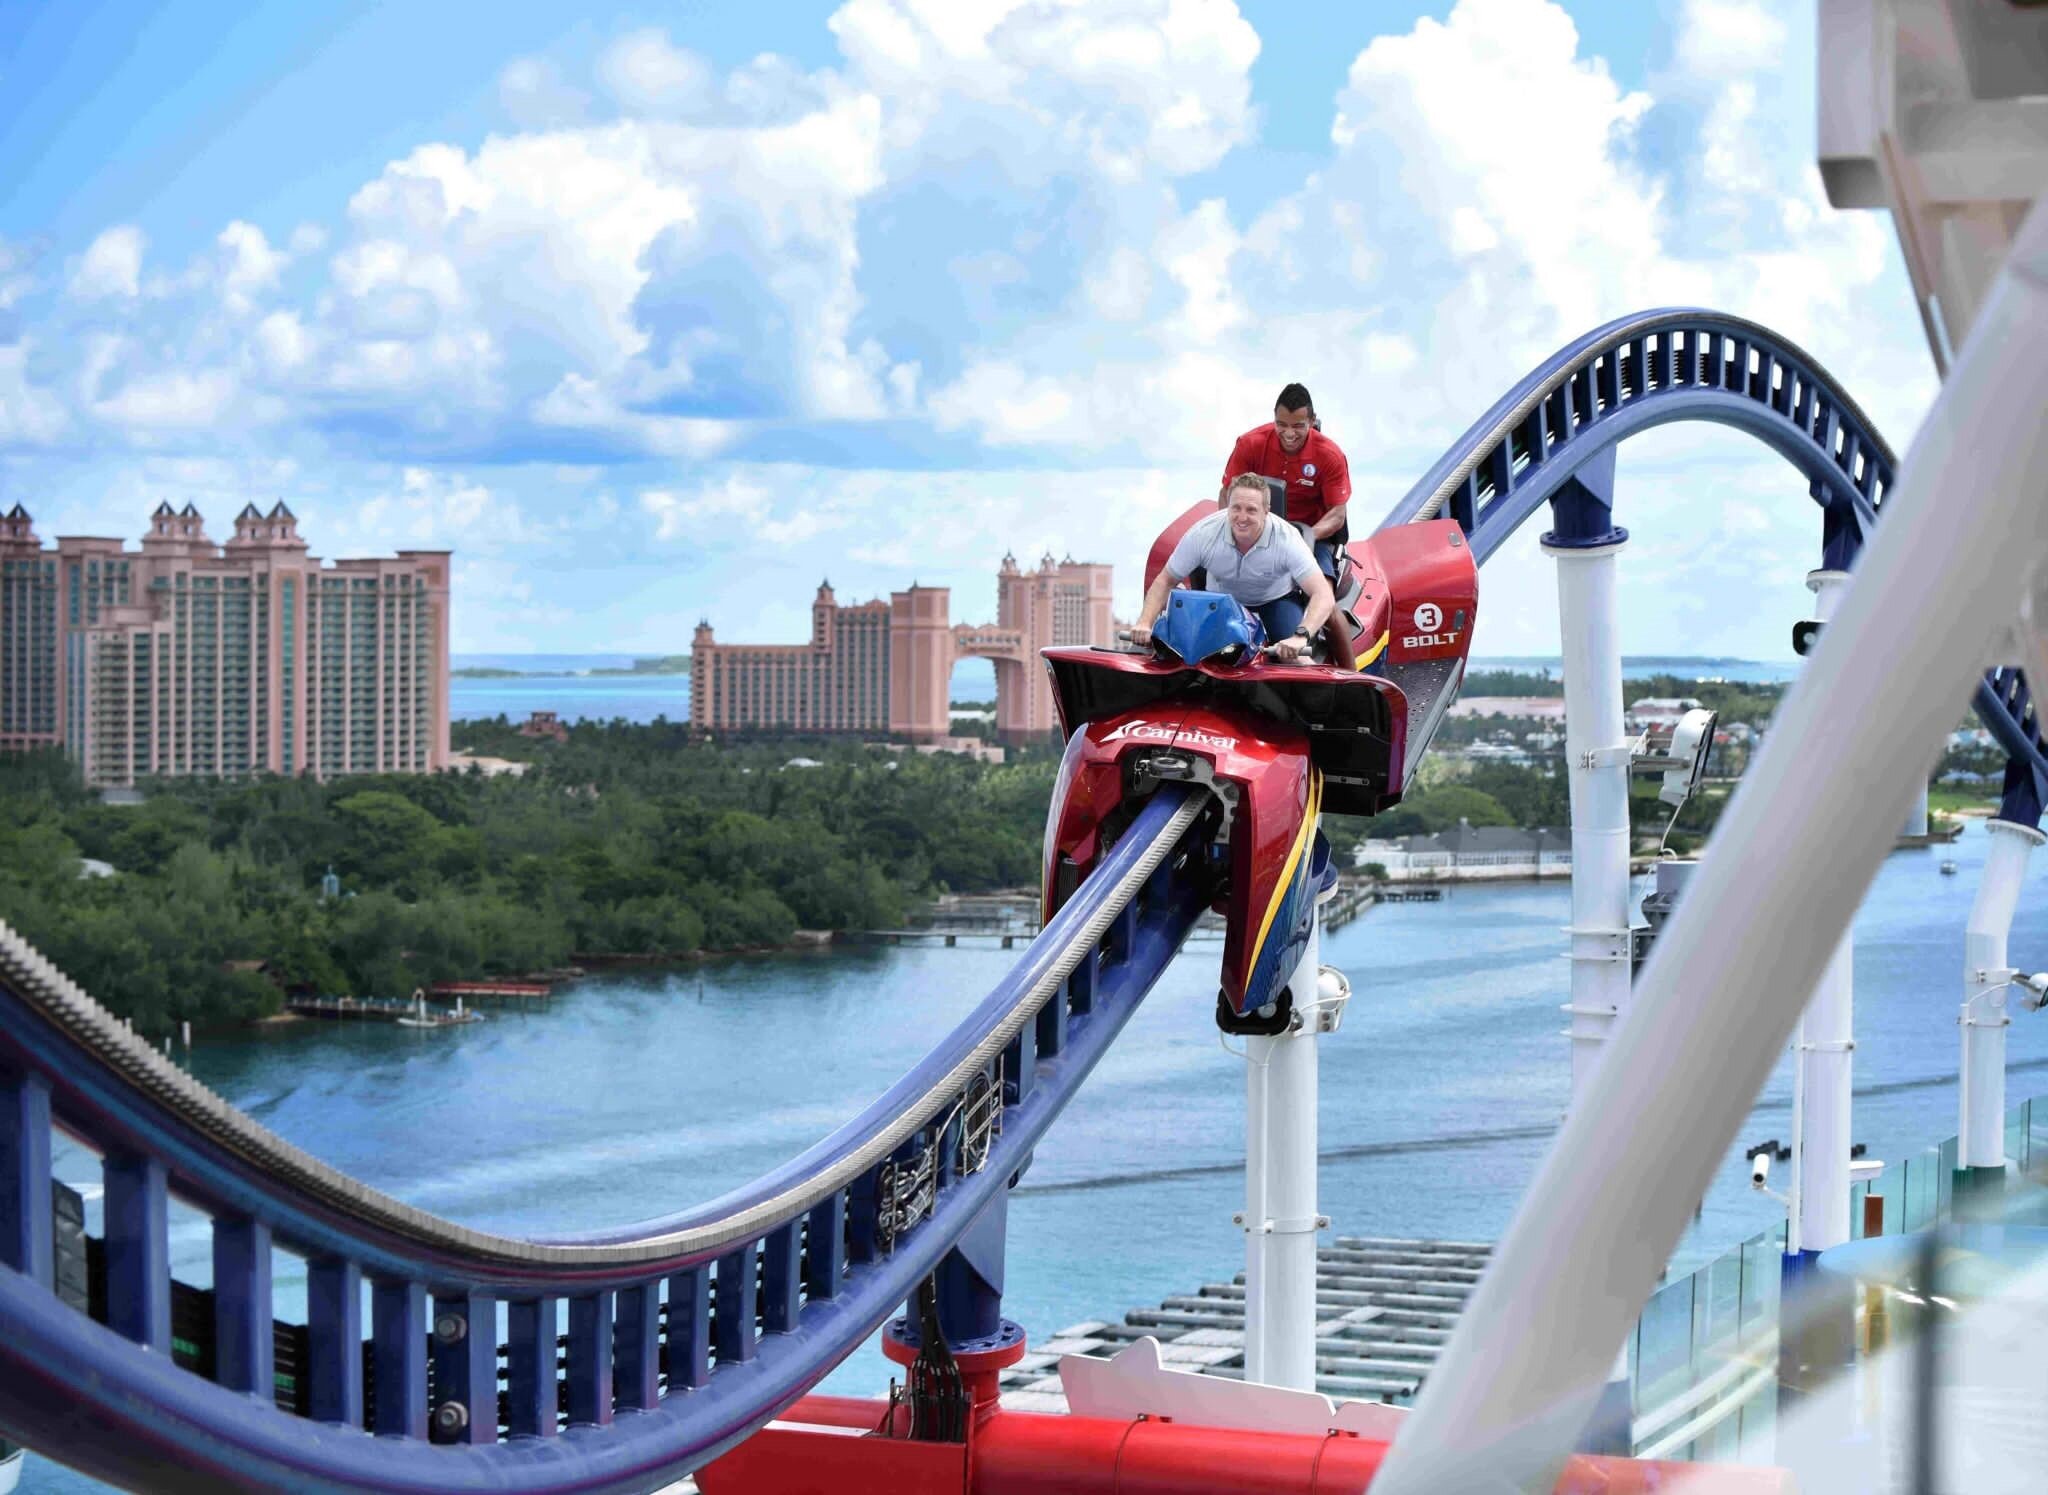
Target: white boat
x,y
422,1018
12,1457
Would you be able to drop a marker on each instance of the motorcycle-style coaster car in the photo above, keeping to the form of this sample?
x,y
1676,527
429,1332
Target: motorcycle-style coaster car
x,y
1281,743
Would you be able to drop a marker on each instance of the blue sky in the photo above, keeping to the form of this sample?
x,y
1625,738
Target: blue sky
x,y
654,314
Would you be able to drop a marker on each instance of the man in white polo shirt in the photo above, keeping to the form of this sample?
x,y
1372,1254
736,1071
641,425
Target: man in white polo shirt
x,y
1259,560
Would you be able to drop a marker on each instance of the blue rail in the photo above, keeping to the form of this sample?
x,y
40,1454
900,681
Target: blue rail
x,y
1551,438
683,1334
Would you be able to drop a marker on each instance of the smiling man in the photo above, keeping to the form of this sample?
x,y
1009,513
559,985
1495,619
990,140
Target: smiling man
x,y
1255,557
1291,450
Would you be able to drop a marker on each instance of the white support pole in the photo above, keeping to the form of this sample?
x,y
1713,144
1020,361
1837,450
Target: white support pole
x,y
1985,978
1820,1142
1598,760
1916,818
1824,1053
1280,1220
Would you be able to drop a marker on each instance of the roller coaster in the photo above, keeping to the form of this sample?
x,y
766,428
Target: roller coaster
x,y
633,1356
688,1333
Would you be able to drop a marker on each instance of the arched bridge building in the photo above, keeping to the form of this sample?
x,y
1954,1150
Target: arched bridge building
x,y
887,667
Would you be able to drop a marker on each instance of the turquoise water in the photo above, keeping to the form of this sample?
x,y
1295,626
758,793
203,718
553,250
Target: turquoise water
x,y
575,698
556,685
556,682
641,1091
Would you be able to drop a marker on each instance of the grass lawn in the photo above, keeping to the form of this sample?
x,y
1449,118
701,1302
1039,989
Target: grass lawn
x,y
1950,801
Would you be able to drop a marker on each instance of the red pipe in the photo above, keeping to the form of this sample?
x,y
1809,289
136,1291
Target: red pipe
x,y
1024,1453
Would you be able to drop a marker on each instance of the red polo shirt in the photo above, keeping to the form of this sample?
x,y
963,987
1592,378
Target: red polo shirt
x,y
1318,478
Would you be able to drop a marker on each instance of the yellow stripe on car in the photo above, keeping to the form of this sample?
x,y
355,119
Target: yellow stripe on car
x,y
1294,865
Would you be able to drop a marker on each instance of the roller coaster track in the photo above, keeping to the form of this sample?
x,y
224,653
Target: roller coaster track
x,y
686,1333
707,1323
1682,364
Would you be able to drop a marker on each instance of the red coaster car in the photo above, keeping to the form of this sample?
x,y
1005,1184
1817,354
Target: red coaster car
x,y
1281,743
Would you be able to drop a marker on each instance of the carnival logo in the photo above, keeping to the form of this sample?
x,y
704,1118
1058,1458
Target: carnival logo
x,y
1162,732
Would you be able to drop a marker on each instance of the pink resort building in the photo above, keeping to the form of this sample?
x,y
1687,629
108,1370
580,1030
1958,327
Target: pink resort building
x,y
189,657
886,668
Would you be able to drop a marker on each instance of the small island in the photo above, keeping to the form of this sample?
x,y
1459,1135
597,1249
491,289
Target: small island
x,y
666,664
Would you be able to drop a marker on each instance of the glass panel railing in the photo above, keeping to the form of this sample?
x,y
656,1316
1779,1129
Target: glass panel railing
x,y
1663,1366
1703,1357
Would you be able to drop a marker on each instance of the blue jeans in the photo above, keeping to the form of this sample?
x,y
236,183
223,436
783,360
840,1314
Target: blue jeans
x,y
1326,557
1281,616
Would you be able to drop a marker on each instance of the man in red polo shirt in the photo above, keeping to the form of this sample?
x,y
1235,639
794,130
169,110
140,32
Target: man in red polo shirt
x,y
1317,476
1318,481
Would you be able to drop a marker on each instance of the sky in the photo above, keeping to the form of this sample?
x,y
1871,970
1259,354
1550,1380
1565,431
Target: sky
x,y
654,315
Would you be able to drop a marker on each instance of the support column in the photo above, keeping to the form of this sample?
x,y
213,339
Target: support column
x,y
1916,818
1280,1219
1585,544
1817,1315
1981,1132
1820,1145
1825,1049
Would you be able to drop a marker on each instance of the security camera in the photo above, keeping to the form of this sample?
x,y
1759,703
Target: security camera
x,y
2033,991
1759,1170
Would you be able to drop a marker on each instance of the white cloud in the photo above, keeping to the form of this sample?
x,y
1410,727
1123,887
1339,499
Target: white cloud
x,y
1124,87
435,510
249,266
170,401
578,403
283,343
1515,149
15,280
650,75
1120,288
29,416
534,93
1196,252
1717,37
112,265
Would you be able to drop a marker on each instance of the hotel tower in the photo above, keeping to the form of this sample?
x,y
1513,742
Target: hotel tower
x,y
191,658
886,668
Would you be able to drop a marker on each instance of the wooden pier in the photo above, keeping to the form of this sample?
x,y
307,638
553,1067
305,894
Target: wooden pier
x,y
470,991
958,934
953,927
411,1012
1426,893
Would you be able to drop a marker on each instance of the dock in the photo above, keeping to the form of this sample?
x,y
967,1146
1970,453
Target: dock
x,y
474,991
380,1010
956,934
953,928
1384,1309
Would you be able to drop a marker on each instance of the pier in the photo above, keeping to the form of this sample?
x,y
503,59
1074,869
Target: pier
x,y
414,1014
473,991
960,923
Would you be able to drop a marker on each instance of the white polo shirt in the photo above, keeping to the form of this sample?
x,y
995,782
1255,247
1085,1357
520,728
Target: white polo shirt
x,y
1278,561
